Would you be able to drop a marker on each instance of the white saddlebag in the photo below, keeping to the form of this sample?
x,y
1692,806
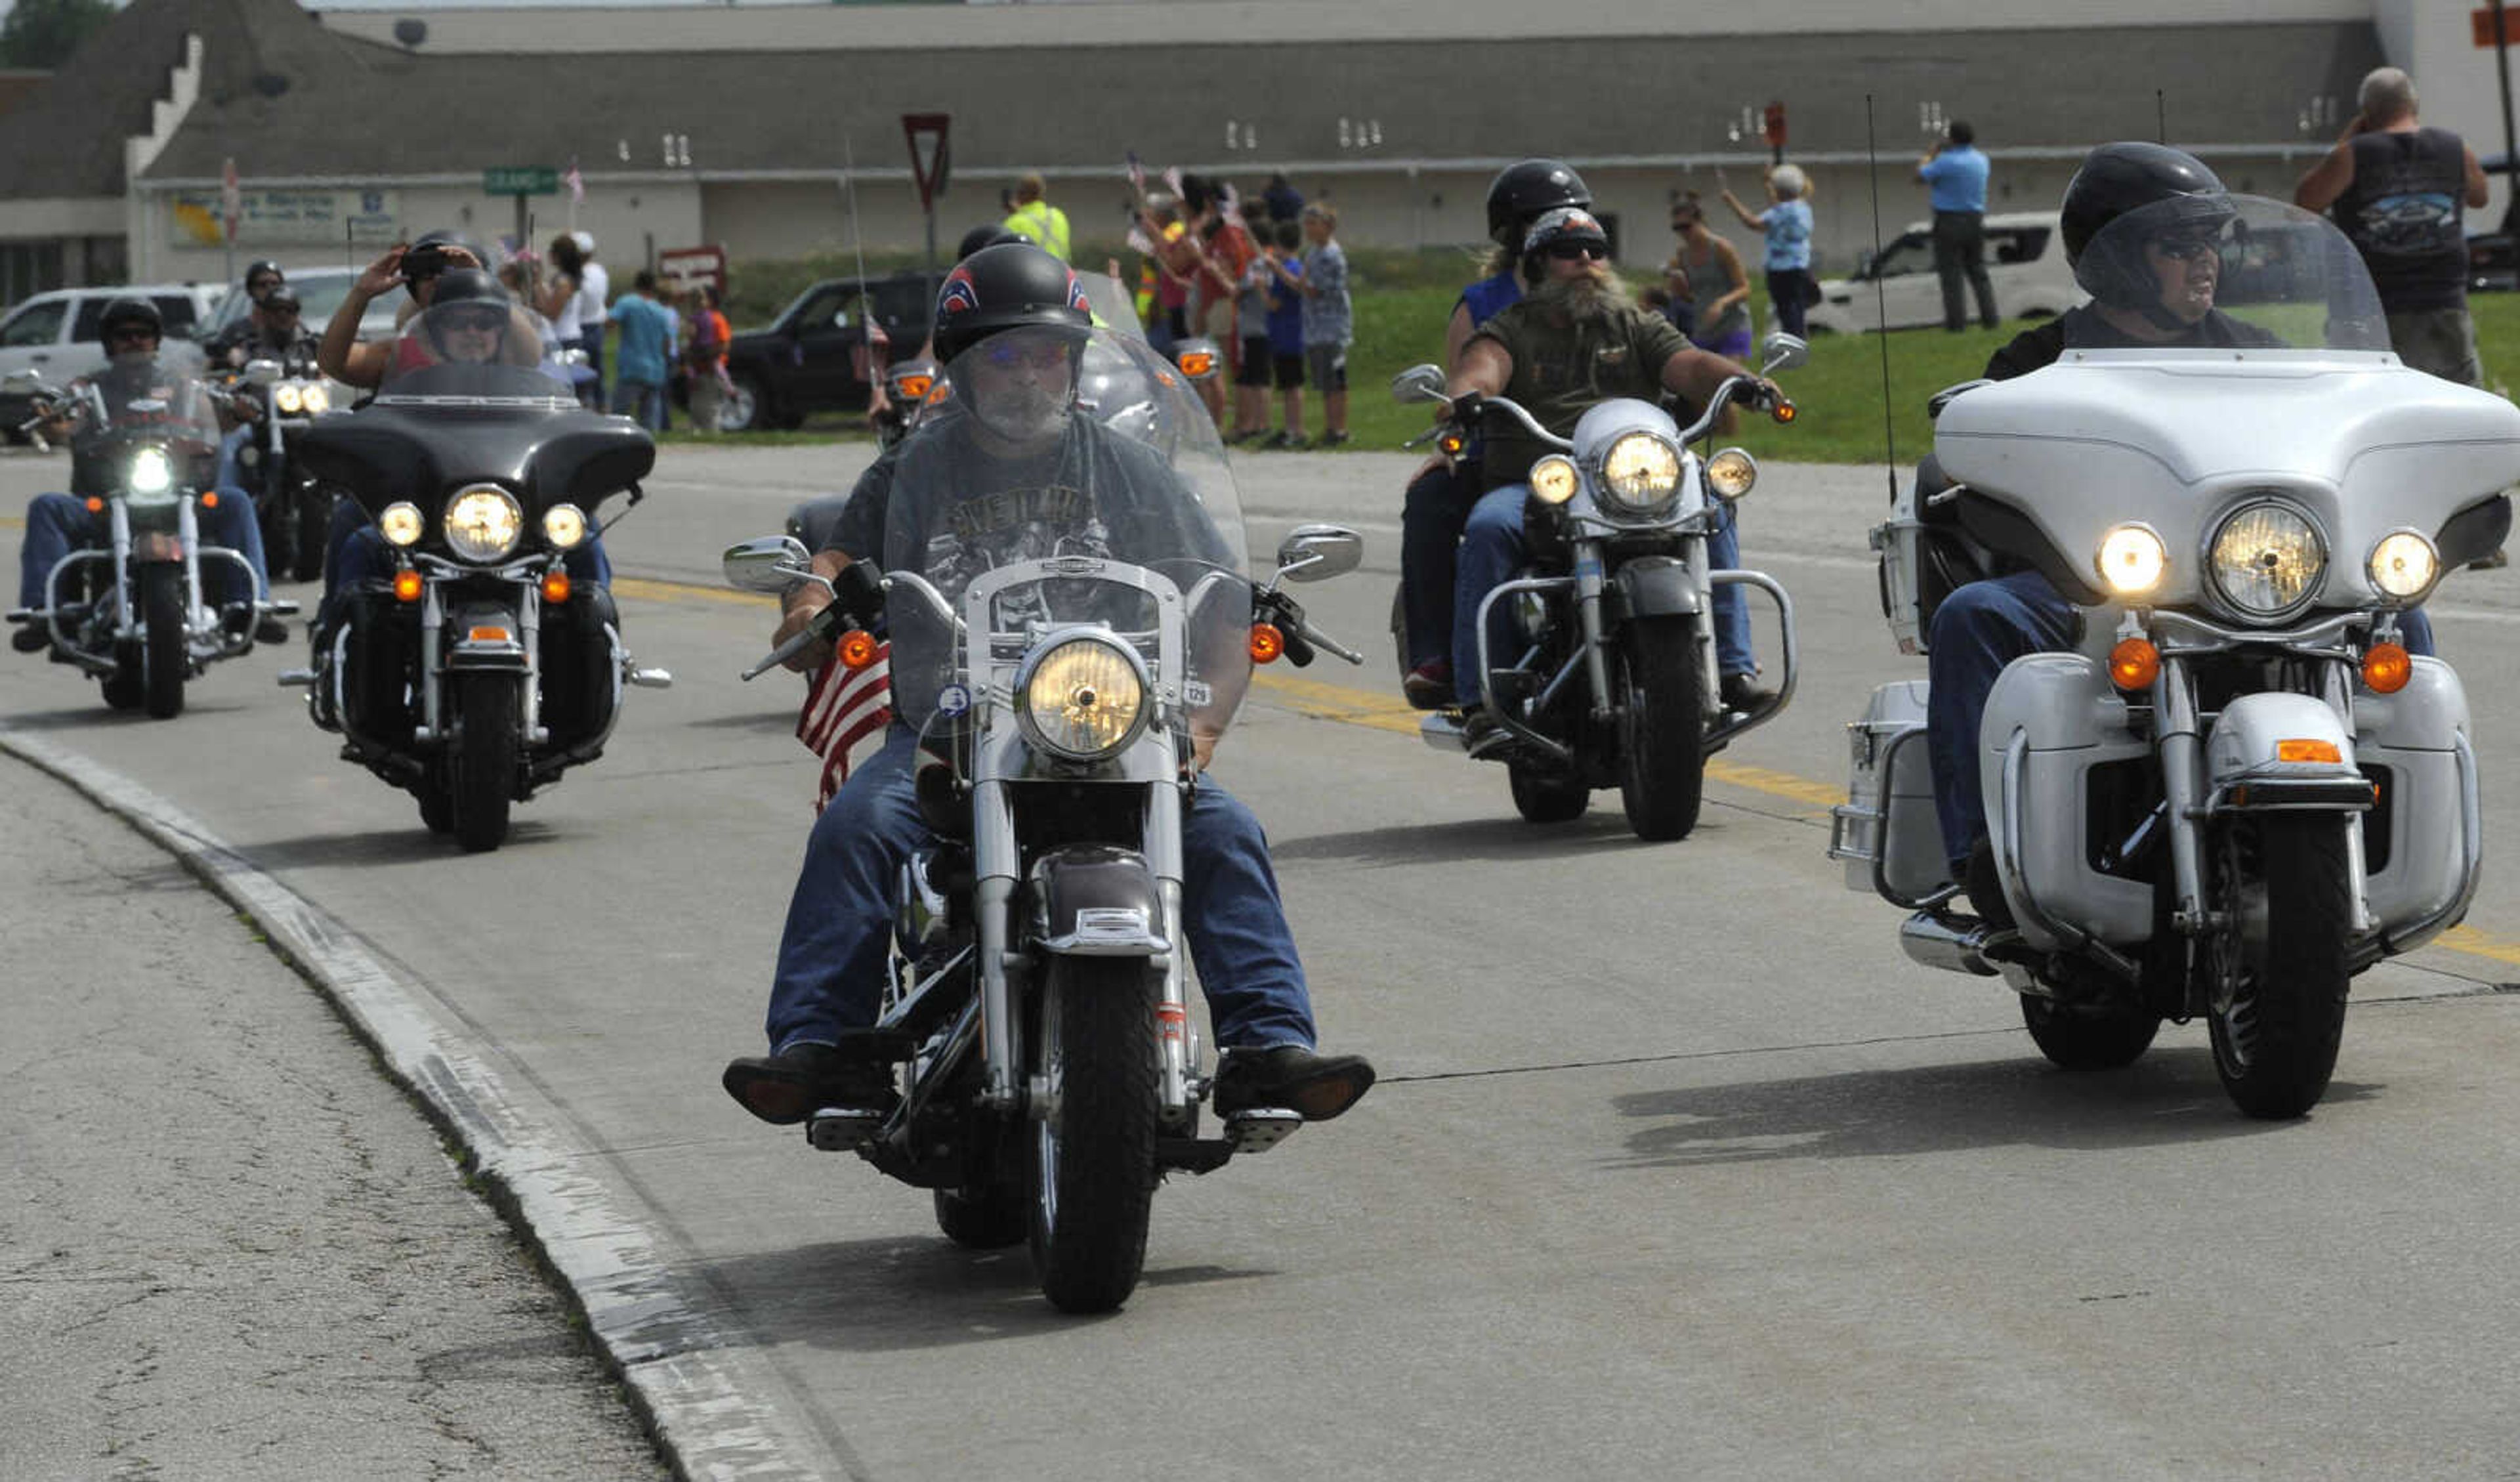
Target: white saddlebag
x,y
1886,831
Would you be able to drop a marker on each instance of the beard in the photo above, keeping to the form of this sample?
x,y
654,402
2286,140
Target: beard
x,y
1596,291
1023,414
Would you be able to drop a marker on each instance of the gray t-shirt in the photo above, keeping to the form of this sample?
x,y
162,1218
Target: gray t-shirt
x,y
1329,317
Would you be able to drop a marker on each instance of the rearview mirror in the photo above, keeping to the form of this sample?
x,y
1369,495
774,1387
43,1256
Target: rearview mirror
x,y
1783,352
1418,382
1318,553
771,563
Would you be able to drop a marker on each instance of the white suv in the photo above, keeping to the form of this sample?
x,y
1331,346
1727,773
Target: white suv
x,y
2025,261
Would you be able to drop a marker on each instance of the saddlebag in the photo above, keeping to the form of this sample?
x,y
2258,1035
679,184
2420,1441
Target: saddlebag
x,y
2420,840
1886,831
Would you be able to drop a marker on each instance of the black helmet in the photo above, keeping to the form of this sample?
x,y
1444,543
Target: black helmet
x,y
980,236
462,295
127,313
1527,189
253,270
2118,178
1009,287
426,258
455,285
1565,224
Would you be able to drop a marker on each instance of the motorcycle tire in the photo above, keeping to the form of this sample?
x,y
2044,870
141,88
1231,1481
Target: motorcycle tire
x,y
2089,1036
1662,764
124,690
981,1218
2275,1044
1092,1163
1543,797
485,760
273,511
436,806
165,654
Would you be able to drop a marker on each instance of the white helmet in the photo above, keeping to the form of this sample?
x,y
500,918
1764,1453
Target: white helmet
x,y
585,242
1790,181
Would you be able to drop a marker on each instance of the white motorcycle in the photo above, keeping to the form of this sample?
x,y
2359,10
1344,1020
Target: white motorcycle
x,y
2240,790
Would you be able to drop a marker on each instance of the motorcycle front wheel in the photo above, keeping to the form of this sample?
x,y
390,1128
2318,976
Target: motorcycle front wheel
x,y
1094,1144
1662,767
164,655
486,759
2275,1042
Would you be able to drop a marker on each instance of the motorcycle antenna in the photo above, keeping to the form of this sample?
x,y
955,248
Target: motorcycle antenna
x,y
1880,305
2160,118
857,237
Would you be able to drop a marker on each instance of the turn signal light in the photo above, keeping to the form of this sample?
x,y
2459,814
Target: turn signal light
x,y
2387,668
1452,444
1785,412
95,506
2308,751
2135,663
209,498
555,587
489,634
857,649
1197,364
1266,642
915,386
407,585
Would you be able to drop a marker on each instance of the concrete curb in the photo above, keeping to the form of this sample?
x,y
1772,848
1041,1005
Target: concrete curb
x,y
714,1409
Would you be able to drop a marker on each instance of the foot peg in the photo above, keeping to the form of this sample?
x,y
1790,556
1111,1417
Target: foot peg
x,y
290,677
1261,1128
648,679
843,1129
280,607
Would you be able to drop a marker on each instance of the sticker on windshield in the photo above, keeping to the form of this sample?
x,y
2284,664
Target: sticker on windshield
x,y
953,699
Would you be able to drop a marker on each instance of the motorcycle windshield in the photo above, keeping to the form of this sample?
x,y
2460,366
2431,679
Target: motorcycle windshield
x,y
2216,272
1083,478
474,347
151,402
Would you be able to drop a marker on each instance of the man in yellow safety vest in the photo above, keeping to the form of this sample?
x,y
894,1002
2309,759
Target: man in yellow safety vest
x,y
1037,221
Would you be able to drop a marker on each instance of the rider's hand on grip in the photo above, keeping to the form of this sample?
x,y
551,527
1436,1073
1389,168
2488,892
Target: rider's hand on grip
x,y
859,590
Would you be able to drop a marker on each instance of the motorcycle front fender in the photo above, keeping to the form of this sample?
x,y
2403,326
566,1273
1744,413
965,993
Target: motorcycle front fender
x,y
2278,750
486,636
1656,586
1094,900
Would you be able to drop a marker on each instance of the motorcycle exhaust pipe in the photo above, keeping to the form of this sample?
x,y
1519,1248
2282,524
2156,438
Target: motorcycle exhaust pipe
x,y
1928,939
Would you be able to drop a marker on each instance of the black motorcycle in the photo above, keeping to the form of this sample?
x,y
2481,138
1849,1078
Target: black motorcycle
x,y
293,509
480,665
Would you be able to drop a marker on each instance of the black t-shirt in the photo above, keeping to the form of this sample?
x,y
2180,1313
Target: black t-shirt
x,y
2083,328
2405,211
1562,367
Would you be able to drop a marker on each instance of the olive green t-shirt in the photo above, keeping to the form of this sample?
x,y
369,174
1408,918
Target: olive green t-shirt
x,y
1561,369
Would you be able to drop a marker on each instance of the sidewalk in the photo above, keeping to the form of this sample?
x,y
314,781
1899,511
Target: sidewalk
x,y
228,1247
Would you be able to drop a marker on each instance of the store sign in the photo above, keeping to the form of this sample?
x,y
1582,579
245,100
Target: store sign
x,y
286,218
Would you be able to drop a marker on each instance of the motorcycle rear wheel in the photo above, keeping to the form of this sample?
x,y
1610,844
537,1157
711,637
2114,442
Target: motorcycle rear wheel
x,y
1093,1155
2089,1036
1662,765
2275,1044
164,646
485,760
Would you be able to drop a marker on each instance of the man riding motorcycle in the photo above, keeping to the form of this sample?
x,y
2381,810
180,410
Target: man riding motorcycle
x,y
58,524
1577,340
2155,291
983,482
271,332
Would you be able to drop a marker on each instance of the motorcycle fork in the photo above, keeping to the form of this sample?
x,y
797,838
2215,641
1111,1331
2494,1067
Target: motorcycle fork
x,y
995,866
118,527
2182,752
1163,849
1588,619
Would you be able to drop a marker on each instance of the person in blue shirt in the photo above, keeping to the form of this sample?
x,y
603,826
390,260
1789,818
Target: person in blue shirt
x,y
1788,221
646,350
1287,327
1954,178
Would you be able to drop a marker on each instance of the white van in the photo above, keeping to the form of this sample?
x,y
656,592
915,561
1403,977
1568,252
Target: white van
x,y
2025,261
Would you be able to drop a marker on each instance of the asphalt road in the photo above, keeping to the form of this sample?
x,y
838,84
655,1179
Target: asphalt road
x,y
1678,1167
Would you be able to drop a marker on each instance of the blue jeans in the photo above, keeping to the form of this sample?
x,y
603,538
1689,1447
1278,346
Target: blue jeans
x,y
642,400
355,552
1979,629
831,955
58,524
1492,551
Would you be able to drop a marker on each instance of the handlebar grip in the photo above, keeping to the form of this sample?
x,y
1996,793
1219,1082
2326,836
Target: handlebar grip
x,y
1298,651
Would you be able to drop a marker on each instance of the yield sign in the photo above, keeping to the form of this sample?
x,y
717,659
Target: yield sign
x,y
931,161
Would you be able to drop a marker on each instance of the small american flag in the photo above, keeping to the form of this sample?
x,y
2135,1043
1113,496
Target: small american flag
x,y
576,184
845,717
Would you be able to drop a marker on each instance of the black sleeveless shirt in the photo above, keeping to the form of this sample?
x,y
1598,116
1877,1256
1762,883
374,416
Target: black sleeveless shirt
x,y
2403,213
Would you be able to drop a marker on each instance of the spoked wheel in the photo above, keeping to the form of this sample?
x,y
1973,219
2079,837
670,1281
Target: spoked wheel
x,y
1094,1144
485,760
1543,797
1662,768
2278,1014
2089,1036
164,657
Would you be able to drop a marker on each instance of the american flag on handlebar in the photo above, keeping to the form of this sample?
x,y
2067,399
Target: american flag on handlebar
x,y
846,711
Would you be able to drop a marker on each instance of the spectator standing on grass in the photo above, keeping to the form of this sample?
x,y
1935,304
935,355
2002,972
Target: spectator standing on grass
x,y
706,358
1955,175
1285,270
1286,203
1677,304
2399,191
645,353
1251,331
1787,223
1036,220
1328,318
1717,286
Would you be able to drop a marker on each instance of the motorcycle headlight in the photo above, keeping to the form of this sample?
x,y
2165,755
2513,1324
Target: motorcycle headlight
x,y
151,472
1731,473
2131,560
1640,472
401,523
483,521
2404,564
1553,479
565,525
287,398
315,399
1083,698
2266,558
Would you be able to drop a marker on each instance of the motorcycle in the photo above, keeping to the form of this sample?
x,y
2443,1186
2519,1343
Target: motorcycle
x,y
480,667
908,385
293,510
133,613
1039,991
1615,682
2239,790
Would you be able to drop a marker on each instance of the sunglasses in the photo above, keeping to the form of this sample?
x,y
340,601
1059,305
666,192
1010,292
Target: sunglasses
x,y
131,337
1040,354
1570,252
477,324
2187,248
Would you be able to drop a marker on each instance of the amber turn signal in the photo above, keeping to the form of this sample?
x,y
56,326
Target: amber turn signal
x,y
1197,363
857,649
95,506
2387,668
2308,750
407,585
2135,663
555,587
1785,412
209,498
915,386
1266,642
489,634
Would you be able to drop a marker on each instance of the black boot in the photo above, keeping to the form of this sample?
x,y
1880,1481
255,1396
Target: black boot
x,y
1319,1085
1986,887
787,1088
31,638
